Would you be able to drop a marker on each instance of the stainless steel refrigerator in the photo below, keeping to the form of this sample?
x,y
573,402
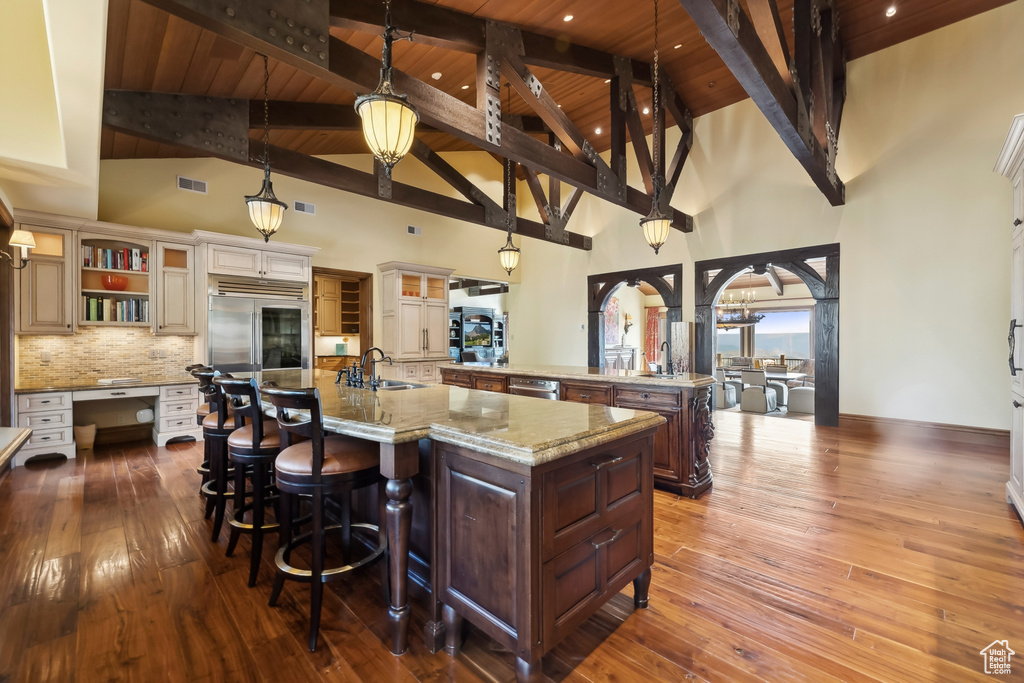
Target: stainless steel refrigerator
x,y
250,334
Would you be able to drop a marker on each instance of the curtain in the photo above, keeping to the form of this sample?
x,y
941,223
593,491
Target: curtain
x,y
651,340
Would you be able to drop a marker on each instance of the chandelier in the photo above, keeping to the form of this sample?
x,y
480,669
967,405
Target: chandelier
x,y
732,312
389,121
656,225
265,210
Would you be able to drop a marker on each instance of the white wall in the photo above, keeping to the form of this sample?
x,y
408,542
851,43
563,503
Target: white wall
x,y
924,233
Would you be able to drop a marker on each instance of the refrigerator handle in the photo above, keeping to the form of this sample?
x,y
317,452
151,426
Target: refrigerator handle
x,y
255,323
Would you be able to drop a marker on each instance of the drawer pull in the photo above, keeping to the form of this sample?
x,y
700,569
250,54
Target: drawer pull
x,y
607,461
46,401
614,535
584,395
645,396
117,393
45,438
47,419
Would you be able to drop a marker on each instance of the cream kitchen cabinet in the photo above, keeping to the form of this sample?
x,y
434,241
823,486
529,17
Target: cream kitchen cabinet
x,y
1011,165
246,262
414,310
45,288
175,289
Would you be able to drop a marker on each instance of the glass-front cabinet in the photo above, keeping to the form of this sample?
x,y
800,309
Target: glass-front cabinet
x,y
423,286
45,287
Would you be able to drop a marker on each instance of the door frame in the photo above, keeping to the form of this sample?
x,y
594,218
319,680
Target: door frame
x,y
365,300
825,293
600,288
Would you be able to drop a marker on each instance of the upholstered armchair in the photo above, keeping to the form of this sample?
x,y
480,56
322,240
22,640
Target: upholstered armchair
x,y
726,391
780,387
757,396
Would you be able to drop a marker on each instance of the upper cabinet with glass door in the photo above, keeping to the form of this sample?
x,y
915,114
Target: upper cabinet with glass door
x,y
44,289
423,286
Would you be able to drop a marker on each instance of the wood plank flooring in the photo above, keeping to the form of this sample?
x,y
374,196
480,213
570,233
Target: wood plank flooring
x,y
855,553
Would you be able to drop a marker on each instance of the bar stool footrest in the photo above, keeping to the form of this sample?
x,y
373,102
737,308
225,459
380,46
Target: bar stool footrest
x,y
306,576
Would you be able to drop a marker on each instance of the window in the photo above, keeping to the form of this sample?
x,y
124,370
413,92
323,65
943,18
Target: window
x,y
783,333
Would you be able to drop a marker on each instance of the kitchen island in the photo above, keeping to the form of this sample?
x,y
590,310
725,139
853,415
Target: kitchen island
x,y
538,513
681,445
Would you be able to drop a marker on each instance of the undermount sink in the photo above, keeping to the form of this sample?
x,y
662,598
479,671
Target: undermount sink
x,y
398,385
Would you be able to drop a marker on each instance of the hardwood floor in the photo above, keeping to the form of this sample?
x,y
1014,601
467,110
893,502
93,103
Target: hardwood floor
x,y
821,554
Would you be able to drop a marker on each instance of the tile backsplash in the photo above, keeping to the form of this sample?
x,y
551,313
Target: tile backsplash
x,y
99,352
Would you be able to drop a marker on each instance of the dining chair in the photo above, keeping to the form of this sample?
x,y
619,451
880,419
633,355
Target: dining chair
x,y
757,397
780,386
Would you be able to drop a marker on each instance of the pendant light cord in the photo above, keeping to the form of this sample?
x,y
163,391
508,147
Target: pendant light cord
x,y
511,166
657,102
266,117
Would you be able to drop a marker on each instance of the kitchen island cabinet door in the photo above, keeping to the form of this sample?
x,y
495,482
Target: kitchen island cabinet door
x,y
667,456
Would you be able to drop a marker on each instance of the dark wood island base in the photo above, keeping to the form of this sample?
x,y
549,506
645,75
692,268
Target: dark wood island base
x,y
527,553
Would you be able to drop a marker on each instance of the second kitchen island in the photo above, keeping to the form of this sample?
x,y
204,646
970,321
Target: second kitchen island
x,y
681,445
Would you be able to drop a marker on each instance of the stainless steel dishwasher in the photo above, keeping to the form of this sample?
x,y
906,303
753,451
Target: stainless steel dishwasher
x,y
538,388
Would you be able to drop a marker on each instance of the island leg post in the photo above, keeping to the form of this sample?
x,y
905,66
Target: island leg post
x,y
641,588
399,462
453,631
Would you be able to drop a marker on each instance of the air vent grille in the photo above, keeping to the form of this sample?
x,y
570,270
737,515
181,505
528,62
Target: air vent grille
x,y
414,230
191,184
262,289
306,207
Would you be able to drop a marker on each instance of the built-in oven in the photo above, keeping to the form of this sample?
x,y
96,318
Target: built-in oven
x,y
538,388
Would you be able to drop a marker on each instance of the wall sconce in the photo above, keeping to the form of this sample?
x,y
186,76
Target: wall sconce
x,y
627,323
23,239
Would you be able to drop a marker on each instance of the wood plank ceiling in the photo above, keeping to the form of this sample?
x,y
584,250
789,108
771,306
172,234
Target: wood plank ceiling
x,y
147,49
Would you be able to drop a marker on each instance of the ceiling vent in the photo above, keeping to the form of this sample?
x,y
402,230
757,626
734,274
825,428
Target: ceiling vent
x,y
414,230
305,207
191,184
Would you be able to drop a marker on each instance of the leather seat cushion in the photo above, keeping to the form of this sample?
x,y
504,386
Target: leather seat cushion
x,y
205,409
242,438
210,422
342,455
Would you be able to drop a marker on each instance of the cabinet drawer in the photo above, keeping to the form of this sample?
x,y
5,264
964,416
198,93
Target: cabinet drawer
x,y
30,403
648,396
583,393
124,392
427,371
50,437
410,370
580,498
175,408
179,392
45,420
489,383
590,572
176,422
458,378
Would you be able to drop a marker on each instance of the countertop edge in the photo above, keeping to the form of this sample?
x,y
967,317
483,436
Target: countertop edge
x,y
166,382
551,451
700,381
9,446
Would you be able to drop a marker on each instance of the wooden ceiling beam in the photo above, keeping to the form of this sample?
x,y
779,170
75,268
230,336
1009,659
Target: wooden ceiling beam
x,y
537,190
774,280
765,16
182,121
493,213
730,32
435,25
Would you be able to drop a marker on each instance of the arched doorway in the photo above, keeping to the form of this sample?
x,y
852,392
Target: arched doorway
x,y
824,290
667,280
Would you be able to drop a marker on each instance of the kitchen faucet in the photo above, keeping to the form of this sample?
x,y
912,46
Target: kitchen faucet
x,y
668,351
374,379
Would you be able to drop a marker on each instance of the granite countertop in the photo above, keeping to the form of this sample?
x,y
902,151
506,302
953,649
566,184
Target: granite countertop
x,y
528,431
83,383
571,372
11,441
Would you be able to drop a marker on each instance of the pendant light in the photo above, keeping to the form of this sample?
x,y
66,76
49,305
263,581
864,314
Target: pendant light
x,y
656,225
508,255
265,210
389,121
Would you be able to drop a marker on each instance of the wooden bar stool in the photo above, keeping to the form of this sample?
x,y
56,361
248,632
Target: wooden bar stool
x,y
319,467
204,374
252,448
217,427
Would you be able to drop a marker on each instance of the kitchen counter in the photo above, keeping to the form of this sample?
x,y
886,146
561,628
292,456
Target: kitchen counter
x,y
11,441
73,385
611,375
516,429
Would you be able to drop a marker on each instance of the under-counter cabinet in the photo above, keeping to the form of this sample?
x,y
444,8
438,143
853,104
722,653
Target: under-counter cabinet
x,y
246,262
49,416
1011,165
45,288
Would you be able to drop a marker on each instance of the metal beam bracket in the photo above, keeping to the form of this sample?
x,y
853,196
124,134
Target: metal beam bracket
x,y
493,114
732,16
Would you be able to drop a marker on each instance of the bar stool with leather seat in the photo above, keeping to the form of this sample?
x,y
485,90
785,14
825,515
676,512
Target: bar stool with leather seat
x,y
319,467
204,374
252,448
217,427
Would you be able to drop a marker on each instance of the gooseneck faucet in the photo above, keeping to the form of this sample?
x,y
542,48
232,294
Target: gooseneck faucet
x,y
374,379
668,355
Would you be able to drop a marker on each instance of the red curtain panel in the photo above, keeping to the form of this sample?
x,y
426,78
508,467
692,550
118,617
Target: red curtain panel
x,y
651,341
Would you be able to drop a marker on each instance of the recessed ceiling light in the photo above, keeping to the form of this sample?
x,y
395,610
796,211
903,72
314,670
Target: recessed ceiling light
x,y
676,47
711,84
647,110
436,75
607,80
465,87
597,130
567,17
559,106
891,11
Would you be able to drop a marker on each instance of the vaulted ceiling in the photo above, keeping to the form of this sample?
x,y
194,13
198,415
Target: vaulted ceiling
x,y
150,50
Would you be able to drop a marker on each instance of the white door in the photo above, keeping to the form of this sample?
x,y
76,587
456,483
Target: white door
x,y
436,322
285,266
175,289
45,287
234,261
1017,312
411,332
